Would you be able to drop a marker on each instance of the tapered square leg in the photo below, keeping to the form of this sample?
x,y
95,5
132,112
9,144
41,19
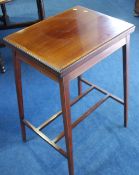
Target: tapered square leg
x,y
65,103
125,78
17,68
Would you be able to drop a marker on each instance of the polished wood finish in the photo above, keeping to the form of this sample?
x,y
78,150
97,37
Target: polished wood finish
x,y
103,91
71,44
81,118
5,18
63,48
45,138
65,103
18,82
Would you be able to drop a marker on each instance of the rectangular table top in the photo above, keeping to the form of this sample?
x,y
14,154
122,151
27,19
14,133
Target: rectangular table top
x,y
62,40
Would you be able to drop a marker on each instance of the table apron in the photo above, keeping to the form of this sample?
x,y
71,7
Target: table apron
x,y
40,67
95,59
80,69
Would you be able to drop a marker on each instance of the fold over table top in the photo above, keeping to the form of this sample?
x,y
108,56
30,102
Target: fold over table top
x,y
62,40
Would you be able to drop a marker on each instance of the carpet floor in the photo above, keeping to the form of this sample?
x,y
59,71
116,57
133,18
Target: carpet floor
x,y
102,146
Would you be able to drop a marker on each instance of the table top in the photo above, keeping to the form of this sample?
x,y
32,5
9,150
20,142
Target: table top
x,y
4,1
62,40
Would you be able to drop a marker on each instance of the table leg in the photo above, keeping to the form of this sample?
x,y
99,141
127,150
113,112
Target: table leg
x,y
65,103
79,85
17,68
5,16
2,67
125,78
41,11
136,10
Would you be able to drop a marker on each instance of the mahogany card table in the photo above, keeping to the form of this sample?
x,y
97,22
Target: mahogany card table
x,y
63,47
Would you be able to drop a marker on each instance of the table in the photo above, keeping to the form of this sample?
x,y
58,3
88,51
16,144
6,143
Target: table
x,y
63,47
5,18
